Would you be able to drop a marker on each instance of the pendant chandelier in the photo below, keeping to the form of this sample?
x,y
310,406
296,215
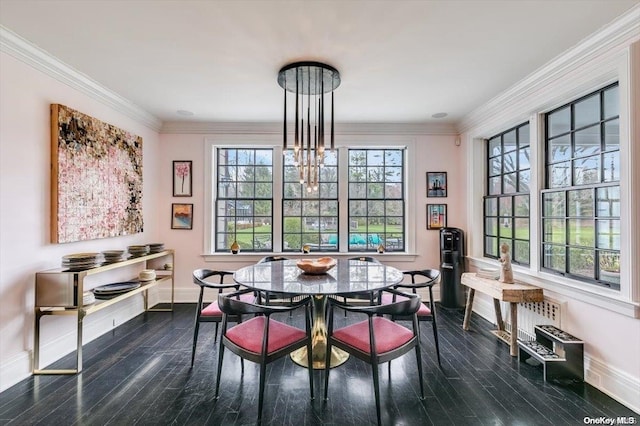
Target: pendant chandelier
x,y
308,81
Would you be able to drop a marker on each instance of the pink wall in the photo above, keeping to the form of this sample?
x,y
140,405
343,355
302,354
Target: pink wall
x,y
25,96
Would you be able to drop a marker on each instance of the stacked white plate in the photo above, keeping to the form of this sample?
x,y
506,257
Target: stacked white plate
x,y
80,261
88,298
112,256
156,247
110,291
139,250
147,275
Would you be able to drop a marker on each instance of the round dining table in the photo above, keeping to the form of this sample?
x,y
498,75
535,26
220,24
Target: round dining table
x,y
347,277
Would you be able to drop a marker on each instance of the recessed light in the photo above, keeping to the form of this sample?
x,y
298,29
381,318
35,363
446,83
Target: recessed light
x,y
184,112
439,115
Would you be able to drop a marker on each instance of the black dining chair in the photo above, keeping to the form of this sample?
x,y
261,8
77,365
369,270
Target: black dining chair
x,y
210,312
426,278
377,339
262,339
270,295
361,295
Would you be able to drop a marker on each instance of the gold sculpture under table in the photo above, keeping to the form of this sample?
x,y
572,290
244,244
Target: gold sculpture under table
x,y
347,277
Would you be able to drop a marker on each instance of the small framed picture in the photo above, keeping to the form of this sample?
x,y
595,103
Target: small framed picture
x,y
436,184
181,216
436,216
182,182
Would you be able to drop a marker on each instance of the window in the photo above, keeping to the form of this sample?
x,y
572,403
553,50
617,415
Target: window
x,y
581,199
376,199
310,218
359,204
244,198
506,205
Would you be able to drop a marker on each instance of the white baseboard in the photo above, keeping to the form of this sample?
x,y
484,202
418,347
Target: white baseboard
x,y
617,384
19,367
15,369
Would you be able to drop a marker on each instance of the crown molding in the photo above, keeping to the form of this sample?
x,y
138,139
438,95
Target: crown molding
x,y
23,50
182,127
598,48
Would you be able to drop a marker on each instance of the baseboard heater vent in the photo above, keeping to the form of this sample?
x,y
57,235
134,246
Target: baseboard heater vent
x,y
530,314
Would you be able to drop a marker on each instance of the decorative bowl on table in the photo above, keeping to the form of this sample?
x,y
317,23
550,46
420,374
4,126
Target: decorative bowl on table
x,y
316,266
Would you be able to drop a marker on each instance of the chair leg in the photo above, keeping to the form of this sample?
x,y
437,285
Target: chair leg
x,y
215,336
196,328
344,299
389,370
376,390
327,368
435,338
220,356
263,373
310,368
419,360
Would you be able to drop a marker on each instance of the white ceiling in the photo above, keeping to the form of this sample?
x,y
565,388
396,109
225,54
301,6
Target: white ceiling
x,y
400,61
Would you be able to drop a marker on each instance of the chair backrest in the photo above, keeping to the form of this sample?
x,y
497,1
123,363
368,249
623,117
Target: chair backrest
x,y
272,259
231,304
200,278
365,259
428,277
406,305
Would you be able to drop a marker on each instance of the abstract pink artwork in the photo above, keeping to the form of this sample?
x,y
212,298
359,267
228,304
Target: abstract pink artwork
x,y
96,178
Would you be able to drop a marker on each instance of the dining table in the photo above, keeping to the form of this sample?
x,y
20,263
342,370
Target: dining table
x,y
284,278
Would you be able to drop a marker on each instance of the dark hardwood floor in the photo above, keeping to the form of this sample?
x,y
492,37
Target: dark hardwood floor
x,y
139,374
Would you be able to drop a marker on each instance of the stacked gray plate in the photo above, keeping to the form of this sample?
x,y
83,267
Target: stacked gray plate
x,y
112,290
138,250
112,256
156,247
80,261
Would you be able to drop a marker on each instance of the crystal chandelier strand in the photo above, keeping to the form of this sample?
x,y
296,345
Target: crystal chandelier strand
x,y
309,81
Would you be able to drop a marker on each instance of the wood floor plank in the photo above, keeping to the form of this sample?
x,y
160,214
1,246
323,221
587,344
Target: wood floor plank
x,y
139,374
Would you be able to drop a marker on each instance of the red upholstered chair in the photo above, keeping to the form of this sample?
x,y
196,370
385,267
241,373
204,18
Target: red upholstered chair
x,y
262,339
426,278
211,312
377,339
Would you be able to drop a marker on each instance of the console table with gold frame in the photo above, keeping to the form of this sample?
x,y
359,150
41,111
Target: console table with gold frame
x,y
60,292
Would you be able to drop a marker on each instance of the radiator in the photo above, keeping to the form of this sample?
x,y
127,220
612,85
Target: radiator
x,y
530,314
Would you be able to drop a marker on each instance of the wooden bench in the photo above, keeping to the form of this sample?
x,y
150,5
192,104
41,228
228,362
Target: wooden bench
x,y
561,354
512,293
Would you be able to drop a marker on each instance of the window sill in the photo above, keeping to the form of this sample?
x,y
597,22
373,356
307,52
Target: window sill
x,y
611,300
